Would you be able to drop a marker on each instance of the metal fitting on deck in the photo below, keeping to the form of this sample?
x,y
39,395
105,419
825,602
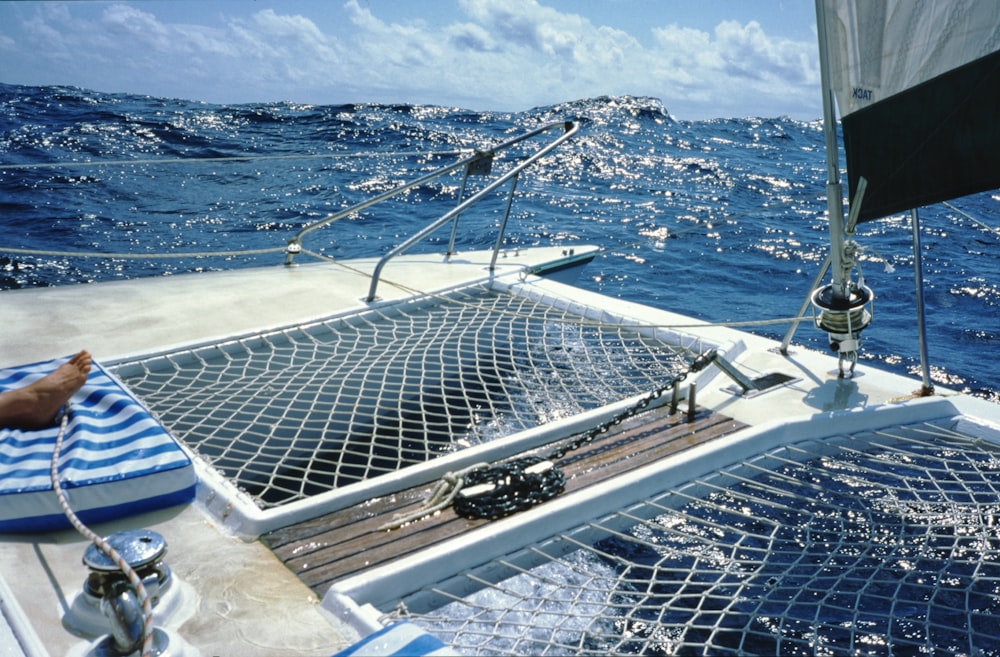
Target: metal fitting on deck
x,y
843,320
108,607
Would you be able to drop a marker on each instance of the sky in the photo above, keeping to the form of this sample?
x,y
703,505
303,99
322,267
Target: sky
x,y
701,58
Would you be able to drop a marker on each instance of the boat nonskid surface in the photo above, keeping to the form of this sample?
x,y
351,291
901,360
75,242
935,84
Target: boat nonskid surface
x,y
119,320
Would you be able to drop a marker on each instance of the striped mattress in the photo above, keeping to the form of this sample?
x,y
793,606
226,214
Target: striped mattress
x,y
116,459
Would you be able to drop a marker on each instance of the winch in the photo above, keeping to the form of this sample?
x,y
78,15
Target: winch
x,y
108,607
843,319
143,549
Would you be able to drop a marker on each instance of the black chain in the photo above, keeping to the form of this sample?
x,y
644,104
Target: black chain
x,y
515,485
515,488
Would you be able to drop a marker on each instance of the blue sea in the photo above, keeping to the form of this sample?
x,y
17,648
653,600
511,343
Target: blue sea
x,y
720,219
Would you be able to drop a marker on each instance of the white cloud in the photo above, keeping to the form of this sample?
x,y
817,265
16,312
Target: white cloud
x,y
487,54
737,64
125,21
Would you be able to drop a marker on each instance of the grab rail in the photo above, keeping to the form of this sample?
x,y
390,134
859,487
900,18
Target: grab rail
x,y
479,163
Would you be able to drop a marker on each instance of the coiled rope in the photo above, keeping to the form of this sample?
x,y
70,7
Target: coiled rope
x,y
100,543
499,490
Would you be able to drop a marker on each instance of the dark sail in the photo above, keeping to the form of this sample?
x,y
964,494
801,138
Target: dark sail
x,y
918,89
933,142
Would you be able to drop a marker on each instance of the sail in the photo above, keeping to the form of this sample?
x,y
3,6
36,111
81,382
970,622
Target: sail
x,y
917,84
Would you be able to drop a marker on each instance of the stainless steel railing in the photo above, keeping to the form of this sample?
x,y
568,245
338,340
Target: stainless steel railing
x,y
479,163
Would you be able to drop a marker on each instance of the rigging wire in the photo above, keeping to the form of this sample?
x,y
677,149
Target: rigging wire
x,y
582,322
235,158
142,256
400,286
989,229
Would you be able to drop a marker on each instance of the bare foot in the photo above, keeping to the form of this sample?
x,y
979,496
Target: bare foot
x,y
36,405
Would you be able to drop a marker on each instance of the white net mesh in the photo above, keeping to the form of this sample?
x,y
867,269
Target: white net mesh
x,y
871,544
296,412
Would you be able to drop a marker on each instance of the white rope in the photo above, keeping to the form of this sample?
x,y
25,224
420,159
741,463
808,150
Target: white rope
x,y
142,256
441,496
100,543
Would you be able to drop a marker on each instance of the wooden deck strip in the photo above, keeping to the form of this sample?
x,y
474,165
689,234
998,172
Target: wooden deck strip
x,y
326,549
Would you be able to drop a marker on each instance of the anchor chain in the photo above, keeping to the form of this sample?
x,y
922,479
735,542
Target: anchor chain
x,y
503,489
509,487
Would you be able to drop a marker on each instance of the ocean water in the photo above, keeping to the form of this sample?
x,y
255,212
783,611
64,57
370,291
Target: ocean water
x,y
720,219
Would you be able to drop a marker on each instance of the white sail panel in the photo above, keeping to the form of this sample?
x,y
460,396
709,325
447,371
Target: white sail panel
x,y
878,48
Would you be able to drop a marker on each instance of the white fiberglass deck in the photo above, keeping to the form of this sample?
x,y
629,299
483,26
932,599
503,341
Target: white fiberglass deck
x,y
135,318
242,583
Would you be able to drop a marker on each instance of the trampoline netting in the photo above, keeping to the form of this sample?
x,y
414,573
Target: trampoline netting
x,y
296,412
870,544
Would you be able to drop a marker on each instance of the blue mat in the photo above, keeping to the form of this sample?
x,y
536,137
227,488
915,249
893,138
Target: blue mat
x,y
116,459
402,639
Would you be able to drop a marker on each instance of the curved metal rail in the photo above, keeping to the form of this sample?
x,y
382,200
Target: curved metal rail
x,y
479,163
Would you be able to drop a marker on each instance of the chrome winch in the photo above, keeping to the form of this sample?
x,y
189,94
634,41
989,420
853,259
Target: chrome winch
x,y
143,549
108,607
843,319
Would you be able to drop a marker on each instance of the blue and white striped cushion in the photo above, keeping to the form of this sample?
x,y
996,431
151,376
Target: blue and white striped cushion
x,y
401,639
116,459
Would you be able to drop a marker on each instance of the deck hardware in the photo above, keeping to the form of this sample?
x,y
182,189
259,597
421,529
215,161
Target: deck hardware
x,y
844,307
843,320
482,165
121,606
747,387
143,549
569,129
109,605
108,608
293,249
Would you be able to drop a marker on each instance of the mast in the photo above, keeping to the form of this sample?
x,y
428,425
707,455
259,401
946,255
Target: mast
x,y
834,192
842,308
917,86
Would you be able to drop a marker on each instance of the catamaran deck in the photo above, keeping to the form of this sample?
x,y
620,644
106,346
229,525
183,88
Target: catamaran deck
x,y
241,583
120,319
345,543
